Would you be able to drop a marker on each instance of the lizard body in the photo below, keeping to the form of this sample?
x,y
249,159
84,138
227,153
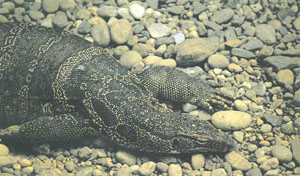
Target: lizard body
x,y
56,87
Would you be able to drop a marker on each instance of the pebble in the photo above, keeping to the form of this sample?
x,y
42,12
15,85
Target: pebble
x,y
238,136
237,161
285,76
27,170
125,157
179,37
218,61
7,161
84,27
175,170
4,151
67,5
222,16
269,164
85,172
107,11
218,172
70,166
296,150
254,172
194,51
25,162
296,23
50,6
130,58
19,2
162,167
266,33
266,128
282,62
231,120
147,168
60,19
36,15
83,14
137,11
121,36
240,105
254,44
198,161
124,171
157,30
235,68
101,34
242,53
282,153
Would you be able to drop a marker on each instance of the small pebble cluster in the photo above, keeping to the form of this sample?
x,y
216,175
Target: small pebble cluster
x,y
249,47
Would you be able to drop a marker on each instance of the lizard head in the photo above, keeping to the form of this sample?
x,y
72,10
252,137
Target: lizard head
x,y
200,136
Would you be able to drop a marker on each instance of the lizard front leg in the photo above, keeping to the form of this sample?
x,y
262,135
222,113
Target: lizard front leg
x,y
49,129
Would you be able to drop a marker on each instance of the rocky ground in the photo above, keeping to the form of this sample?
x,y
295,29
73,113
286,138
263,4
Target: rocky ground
x,y
250,47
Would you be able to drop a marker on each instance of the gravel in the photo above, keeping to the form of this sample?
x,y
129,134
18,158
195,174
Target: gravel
x,y
250,49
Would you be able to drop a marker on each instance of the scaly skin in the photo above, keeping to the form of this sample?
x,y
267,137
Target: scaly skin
x,y
56,87
175,85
